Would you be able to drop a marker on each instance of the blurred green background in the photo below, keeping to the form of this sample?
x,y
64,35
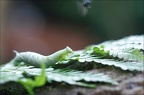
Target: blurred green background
x,y
45,26
110,19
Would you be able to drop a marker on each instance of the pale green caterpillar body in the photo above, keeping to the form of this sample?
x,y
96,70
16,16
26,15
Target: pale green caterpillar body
x,y
35,59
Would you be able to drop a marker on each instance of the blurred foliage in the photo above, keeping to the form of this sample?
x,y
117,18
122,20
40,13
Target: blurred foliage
x,y
109,19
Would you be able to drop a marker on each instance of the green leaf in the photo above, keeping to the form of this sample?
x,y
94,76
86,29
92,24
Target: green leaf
x,y
132,66
127,54
115,53
9,72
68,76
30,84
41,79
124,65
74,77
96,51
135,41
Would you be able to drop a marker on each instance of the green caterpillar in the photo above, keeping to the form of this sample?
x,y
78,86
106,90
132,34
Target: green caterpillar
x,y
35,59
